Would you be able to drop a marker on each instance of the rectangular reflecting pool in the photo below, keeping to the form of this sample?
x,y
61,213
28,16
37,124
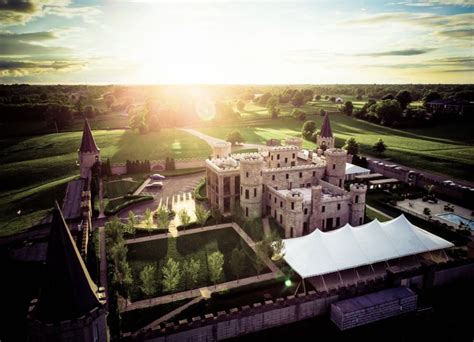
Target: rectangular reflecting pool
x,y
456,219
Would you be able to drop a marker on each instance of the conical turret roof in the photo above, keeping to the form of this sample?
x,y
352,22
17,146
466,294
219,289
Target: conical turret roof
x,y
68,291
326,131
88,143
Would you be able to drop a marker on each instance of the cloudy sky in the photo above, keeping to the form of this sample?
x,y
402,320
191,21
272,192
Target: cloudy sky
x,y
241,41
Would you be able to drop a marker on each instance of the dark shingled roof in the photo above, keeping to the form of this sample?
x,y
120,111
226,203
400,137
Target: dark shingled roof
x,y
326,131
88,143
373,299
72,200
68,292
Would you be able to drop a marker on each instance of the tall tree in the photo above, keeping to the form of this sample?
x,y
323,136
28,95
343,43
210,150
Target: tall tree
x,y
351,146
348,108
388,111
379,147
234,137
309,127
184,217
431,96
148,279
162,218
131,223
272,105
404,98
237,262
191,269
171,275
149,220
298,99
259,262
215,262
202,215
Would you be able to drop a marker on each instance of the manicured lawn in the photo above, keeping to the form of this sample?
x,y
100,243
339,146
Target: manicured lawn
x,y
372,215
40,166
196,246
448,149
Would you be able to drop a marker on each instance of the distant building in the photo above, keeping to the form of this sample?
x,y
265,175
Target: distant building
x,y
301,191
459,107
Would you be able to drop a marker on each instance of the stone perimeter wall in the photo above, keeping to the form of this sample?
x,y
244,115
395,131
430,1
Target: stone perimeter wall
x,y
248,319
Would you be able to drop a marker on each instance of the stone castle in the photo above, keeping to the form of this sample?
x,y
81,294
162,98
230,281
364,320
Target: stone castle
x,y
302,190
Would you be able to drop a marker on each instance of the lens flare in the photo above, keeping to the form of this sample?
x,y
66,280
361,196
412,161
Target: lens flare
x,y
205,109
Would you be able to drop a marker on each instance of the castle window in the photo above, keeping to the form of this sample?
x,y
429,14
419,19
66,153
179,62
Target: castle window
x,y
281,204
273,177
333,166
281,219
357,198
292,205
294,156
360,221
306,211
270,197
340,182
246,212
278,165
287,176
254,192
339,206
291,232
247,195
301,174
247,174
323,209
271,157
278,156
275,199
286,160
338,222
314,173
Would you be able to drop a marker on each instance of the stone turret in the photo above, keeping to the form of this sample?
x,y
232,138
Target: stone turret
x,y
315,221
88,153
335,166
325,139
251,185
294,216
221,149
357,214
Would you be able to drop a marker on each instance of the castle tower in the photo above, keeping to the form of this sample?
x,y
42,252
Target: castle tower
x,y
294,214
221,149
251,185
335,166
325,139
69,305
357,213
315,221
89,153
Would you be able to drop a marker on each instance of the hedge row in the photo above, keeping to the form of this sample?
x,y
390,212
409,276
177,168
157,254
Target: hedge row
x,y
115,205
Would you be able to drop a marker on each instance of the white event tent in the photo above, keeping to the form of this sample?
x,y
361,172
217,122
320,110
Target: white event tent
x,y
348,247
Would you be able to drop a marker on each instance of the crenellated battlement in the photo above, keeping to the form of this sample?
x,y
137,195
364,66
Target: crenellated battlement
x,y
336,152
357,187
294,168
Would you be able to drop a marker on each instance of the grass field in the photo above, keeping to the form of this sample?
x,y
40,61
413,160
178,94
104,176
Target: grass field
x,y
446,149
34,170
197,246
